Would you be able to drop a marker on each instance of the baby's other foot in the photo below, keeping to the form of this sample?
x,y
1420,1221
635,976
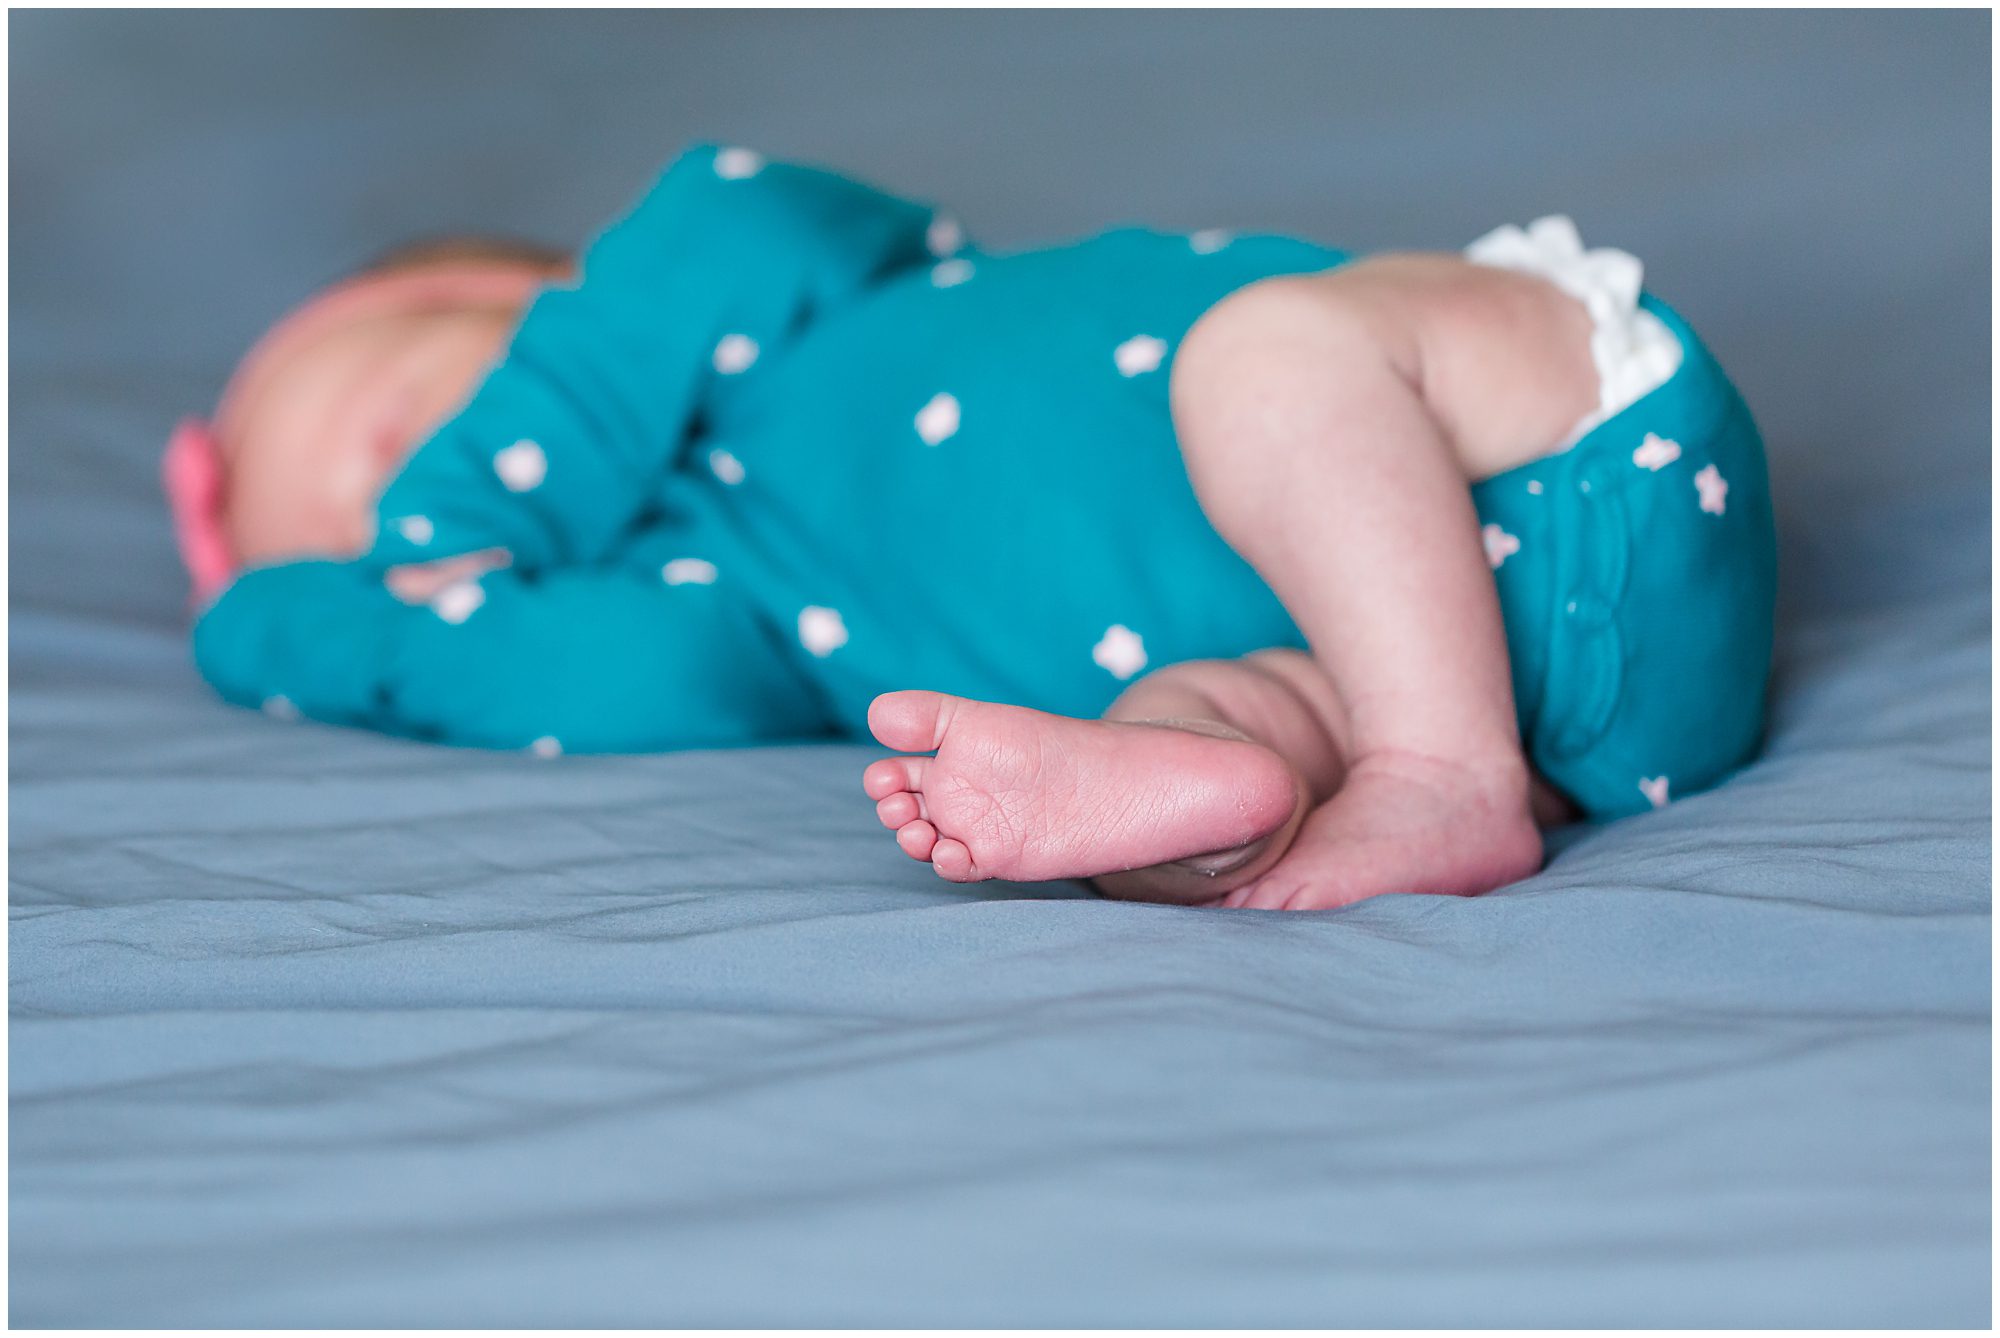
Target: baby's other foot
x,y
1405,824
1020,794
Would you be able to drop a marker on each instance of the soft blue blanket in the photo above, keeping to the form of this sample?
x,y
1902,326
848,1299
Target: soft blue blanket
x,y
312,1027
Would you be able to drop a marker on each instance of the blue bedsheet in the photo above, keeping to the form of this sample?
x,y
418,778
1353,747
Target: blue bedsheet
x,y
316,1028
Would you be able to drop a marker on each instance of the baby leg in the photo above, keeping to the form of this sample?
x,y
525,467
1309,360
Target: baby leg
x,y
1191,786
1331,425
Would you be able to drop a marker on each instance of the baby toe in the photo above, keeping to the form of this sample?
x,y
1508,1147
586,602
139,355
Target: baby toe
x,y
899,809
907,721
892,775
952,860
917,839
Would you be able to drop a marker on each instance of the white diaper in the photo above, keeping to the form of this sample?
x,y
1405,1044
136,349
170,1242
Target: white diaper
x,y
1634,351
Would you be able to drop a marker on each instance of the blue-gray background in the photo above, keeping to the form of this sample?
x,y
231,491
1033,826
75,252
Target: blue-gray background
x,y
311,1027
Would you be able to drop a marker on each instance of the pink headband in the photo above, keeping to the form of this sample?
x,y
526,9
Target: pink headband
x,y
192,470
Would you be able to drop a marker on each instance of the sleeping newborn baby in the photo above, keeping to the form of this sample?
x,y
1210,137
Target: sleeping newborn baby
x,y
1217,569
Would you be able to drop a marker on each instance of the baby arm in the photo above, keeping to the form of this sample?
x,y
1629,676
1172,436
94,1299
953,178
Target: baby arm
x,y
724,260
582,660
484,613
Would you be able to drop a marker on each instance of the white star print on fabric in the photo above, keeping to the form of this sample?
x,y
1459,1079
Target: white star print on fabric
x,y
950,273
1208,241
688,571
725,466
416,529
521,466
1655,790
1139,354
735,353
821,630
547,746
1499,545
1656,453
938,419
944,236
458,601
280,708
738,164
1713,488
1120,652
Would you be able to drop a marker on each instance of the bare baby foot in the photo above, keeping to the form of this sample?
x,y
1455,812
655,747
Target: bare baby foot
x,y
1404,824
1020,794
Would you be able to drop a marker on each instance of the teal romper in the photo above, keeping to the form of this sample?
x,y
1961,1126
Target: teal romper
x,y
789,443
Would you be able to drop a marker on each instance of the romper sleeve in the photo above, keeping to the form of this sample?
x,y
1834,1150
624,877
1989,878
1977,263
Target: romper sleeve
x,y
724,259
579,660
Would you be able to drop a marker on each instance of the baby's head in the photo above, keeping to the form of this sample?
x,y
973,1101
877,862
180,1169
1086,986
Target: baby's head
x,y
324,409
